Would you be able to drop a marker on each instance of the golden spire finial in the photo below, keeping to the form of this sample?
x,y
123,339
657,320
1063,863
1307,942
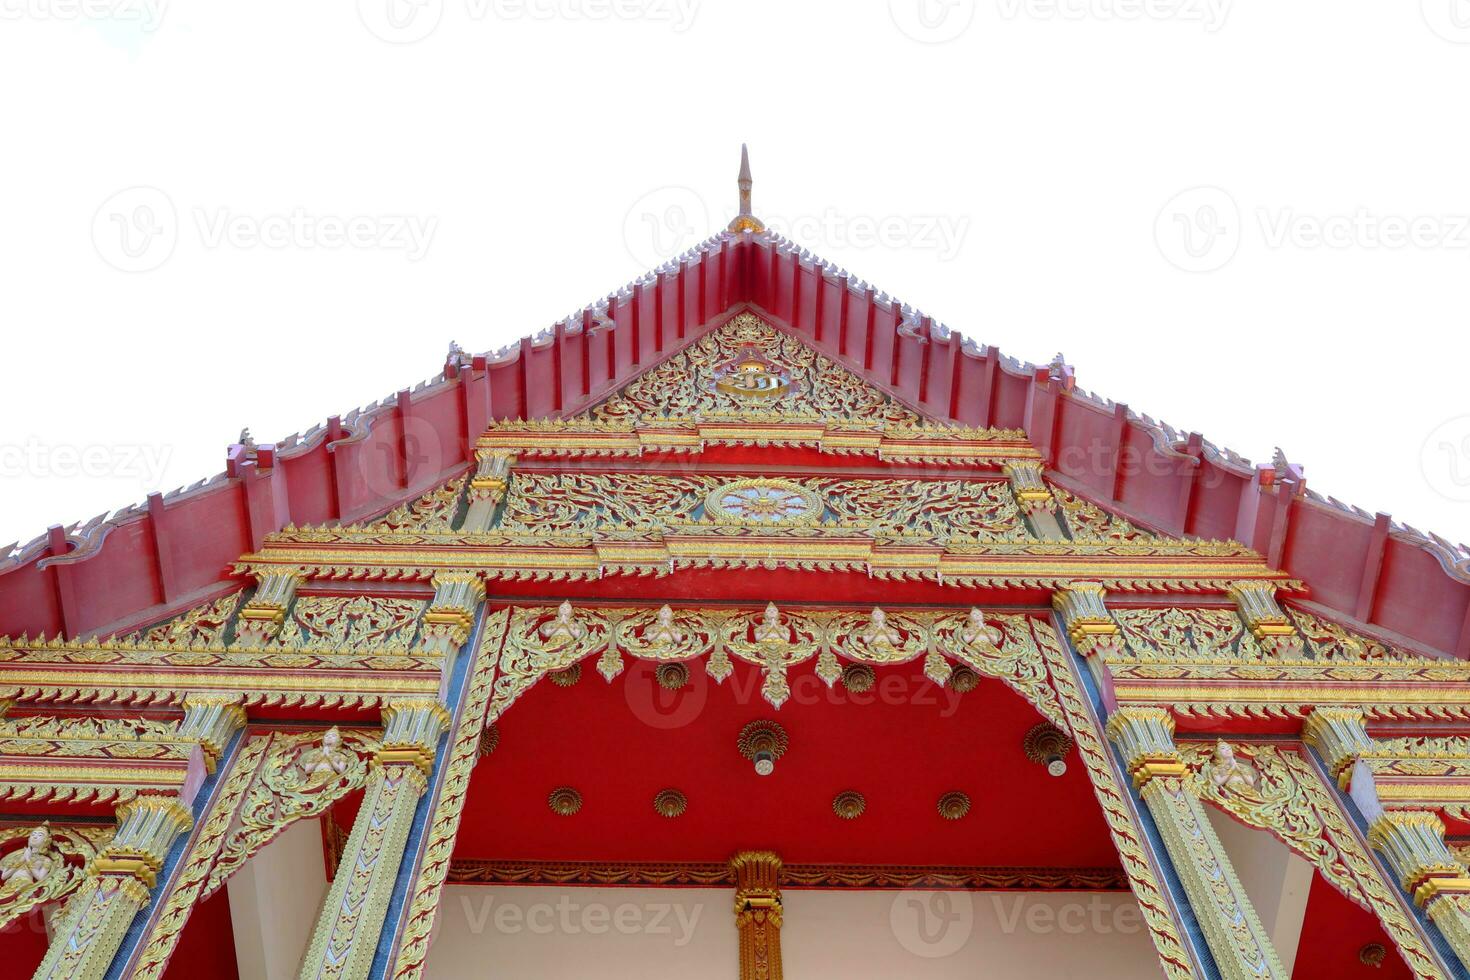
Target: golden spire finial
x,y
745,220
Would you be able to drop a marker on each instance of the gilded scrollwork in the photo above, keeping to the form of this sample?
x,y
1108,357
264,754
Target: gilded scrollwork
x,y
43,863
350,623
1327,640
1275,789
544,640
300,776
1187,633
204,625
695,383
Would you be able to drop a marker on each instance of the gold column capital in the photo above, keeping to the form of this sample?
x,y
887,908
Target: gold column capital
x,y
1340,735
1084,612
758,913
212,720
1413,843
1145,739
1256,602
147,827
451,616
411,731
261,618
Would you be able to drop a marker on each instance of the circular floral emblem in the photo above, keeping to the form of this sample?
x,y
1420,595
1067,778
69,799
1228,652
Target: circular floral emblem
x,y
763,502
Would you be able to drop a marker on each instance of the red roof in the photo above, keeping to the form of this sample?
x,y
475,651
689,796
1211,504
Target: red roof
x,y
149,560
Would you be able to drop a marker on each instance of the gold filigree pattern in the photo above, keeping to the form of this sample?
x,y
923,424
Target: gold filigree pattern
x,y
295,781
542,641
201,626
585,505
689,383
1195,634
1288,799
1086,521
1329,641
51,871
1158,912
350,623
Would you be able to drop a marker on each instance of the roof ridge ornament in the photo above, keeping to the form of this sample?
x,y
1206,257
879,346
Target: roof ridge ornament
x,y
745,220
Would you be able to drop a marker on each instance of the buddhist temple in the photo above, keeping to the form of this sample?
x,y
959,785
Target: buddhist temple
x,y
748,623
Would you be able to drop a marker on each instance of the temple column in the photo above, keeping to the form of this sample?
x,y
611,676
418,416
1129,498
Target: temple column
x,y
1035,498
1413,844
91,927
346,935
212,720
1240,945
261,618
487,487
1339,736
758,913
451,615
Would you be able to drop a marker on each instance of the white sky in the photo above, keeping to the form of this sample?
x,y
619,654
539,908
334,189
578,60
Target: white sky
x,y
513,162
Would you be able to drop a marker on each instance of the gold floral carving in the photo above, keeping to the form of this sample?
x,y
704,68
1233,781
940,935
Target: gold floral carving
x,y
50,871
1190,633
1158,912
351,624
203,625
159,942
448,803
296,780
1285,796
543,641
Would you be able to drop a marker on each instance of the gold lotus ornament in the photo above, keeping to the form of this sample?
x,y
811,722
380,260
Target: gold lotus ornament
x,y
954,805
670,803
849,804
564,801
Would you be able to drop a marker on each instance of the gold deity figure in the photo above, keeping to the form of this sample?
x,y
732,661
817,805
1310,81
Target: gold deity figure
x,y
328,759
31,864
1229,773
879,633
563,629
663,632
770,629
978,631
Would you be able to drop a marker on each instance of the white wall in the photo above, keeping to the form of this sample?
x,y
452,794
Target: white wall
x,y
1274,877
274,901
649,934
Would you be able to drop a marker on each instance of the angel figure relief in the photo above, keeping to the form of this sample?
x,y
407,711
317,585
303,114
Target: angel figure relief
x,y
319,763
30,865
1230,774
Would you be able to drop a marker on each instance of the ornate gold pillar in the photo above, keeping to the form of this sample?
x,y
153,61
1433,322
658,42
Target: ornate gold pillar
x,y
758,913
1413,844
346,935
1241,947
1339,736
1089,624
97,917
